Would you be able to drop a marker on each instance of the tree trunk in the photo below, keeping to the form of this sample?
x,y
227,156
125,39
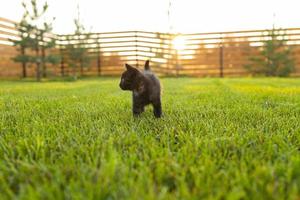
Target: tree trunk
x,y
38,71
44,67
24,72
38,62
62,67
75,73
62,64
81,67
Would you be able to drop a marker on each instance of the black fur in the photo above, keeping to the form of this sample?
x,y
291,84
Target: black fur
x,y
145,89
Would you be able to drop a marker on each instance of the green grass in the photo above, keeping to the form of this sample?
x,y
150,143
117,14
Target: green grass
x,y
218,139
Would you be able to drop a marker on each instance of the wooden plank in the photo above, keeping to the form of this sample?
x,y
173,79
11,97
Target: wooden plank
x,y
233,38
238,32
4,39
125,33
9,33
3,26
7,20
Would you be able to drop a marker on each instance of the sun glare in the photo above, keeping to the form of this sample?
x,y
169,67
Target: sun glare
x,y
179,43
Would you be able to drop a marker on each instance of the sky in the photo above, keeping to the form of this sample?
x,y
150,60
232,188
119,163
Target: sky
x,y
152,15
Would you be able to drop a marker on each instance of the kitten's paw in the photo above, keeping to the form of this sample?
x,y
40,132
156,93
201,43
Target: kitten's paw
x,y
136,115
158,115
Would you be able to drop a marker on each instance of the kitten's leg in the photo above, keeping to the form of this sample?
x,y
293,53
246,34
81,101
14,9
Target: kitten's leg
x,y
157,110
137,108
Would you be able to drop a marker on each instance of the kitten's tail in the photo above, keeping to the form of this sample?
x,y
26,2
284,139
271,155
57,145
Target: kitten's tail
x,y
147,67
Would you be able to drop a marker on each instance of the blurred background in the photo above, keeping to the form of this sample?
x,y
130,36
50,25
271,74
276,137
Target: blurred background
x,y
76,38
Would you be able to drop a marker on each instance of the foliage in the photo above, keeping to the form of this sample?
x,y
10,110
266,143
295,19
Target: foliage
x,y
24,29
77,52
33,31
218,139
275,56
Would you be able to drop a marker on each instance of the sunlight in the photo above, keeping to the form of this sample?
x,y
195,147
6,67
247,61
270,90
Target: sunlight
x,y
179,43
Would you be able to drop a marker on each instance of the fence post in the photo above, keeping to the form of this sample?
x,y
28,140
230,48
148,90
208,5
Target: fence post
x,y
98,56
136,50
169,54
62,62
177,62
176,51
221,57
98,64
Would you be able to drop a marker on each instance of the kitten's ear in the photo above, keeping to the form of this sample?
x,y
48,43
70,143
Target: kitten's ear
x,y
128,67
147,65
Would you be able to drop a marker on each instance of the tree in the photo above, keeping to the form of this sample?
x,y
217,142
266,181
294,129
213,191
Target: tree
x,y
77,50
40,42
34,34
274,57
46,45
23,43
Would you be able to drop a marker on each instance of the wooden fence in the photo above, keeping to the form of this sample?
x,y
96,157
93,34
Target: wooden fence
x,y
203,54
110,51
9,68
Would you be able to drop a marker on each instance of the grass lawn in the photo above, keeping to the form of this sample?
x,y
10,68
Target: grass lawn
x,y
218,139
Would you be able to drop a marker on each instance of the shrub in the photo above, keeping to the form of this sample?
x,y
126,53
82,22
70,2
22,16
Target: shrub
x,y
274,57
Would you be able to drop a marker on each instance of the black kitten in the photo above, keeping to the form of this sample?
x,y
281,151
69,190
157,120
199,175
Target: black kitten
x,y
145,89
